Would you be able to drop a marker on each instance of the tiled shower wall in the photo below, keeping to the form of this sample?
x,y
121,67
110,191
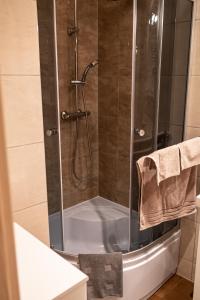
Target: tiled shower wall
x,y
105,33
22,107
76,191
115,76
190,225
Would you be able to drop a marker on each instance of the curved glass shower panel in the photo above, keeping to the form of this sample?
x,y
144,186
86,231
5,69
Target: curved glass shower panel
x,y
94,48
50,102
147,72
177,24
161,72
86,50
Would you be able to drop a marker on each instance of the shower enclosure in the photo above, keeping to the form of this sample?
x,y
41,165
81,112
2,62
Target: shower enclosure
x,y
114,84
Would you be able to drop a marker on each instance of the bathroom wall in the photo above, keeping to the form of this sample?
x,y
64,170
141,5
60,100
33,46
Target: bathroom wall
x,y
197,268
190,225
80,174
188,250
115,76
22,105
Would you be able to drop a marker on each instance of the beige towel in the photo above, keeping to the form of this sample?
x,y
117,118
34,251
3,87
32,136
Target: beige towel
x,y
190,153
167,162
172,199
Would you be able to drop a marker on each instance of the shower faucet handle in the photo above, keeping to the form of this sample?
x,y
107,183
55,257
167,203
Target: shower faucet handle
x,y
140,132
72,116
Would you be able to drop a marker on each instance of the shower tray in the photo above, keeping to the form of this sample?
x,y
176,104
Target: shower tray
x,y
97,225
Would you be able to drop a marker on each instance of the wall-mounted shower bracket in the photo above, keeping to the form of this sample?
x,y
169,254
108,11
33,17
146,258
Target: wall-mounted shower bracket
x,y
65,116
72,30
77,82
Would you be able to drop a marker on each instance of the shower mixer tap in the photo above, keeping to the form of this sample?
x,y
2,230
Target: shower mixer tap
x,y
65,116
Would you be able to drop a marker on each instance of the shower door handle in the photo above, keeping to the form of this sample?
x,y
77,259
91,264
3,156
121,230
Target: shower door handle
x,y
51,131
140,132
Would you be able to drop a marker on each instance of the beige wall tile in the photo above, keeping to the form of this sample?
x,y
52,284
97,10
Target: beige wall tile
x,y
197,9
196,49
188,230
19,52
198,215
191,132
22,109
19,55
34,219
193,106
185,269
27,175
192,217
196,242
197,274
193,271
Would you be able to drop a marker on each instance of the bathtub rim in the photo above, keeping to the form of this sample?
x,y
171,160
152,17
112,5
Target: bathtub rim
x,y
128,257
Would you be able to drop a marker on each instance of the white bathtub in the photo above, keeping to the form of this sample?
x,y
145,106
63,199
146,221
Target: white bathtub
x,y
144,270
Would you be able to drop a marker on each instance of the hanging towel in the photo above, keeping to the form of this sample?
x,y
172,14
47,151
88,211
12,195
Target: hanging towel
x,y
105,272
190,153
167,162
173,198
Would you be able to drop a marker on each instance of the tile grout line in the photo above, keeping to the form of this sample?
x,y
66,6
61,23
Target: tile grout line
x,y
20,75
29,144
31,206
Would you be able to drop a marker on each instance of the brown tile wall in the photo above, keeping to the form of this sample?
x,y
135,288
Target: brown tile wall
x,y
115,56
107,95
78,190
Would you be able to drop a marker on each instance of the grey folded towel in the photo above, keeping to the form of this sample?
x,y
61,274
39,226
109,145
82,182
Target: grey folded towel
x,y
105,272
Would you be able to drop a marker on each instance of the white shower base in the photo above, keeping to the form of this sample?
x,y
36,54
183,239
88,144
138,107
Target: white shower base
x,y
99,225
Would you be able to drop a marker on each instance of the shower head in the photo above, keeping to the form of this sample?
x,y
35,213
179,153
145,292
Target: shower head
x,y
87,69
93,63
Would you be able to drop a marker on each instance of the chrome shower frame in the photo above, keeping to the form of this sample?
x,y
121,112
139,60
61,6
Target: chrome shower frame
x,y
58,118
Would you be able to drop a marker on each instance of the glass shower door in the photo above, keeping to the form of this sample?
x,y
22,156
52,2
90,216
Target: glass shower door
x,y
146,99
149,29
160,88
